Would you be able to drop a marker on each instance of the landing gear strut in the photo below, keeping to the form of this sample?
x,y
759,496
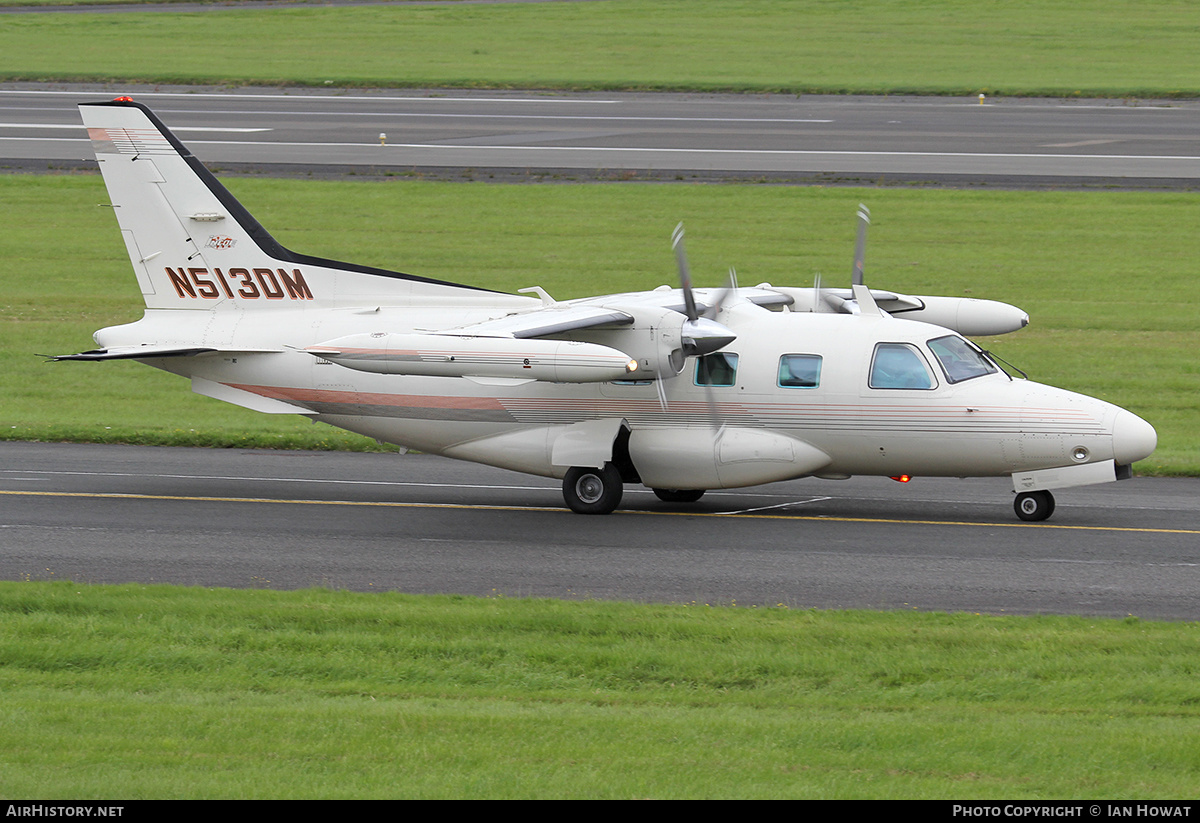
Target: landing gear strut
x,y
1034,505
592,491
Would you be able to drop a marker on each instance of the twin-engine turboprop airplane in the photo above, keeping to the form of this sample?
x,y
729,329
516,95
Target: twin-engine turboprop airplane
x,y
681,390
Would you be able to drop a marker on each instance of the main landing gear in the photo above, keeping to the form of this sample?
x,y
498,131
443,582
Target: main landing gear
x,y
1034,505
598,491
593,491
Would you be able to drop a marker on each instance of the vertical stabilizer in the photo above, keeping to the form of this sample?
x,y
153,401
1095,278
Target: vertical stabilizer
x,y
194,246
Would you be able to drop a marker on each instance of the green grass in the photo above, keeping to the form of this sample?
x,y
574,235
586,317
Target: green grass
x,y
162,692
225,4
1105,276
1114,48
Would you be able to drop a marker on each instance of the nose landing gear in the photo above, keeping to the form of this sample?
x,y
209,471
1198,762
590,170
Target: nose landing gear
x,y
1034,505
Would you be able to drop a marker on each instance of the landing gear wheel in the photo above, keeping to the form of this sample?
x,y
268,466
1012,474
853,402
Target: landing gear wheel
x,y
1034,505
592,491
679,495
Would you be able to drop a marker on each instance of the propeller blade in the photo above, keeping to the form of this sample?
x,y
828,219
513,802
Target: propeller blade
x,y
701,335
660,386
818,302
714,415
860,247
685,276
730,288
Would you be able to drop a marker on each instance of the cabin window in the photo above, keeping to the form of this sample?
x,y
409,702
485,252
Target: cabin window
x,y
959,359
718,369
800,371
899,366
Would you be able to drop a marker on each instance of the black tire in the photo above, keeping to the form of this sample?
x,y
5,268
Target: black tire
x,y
679,495
592,491
1034,505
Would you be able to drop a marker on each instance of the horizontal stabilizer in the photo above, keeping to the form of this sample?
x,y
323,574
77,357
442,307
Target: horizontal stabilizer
x,y
134,353
146,352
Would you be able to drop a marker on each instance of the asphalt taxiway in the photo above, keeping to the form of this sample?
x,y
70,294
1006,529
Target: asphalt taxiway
x,y
416,523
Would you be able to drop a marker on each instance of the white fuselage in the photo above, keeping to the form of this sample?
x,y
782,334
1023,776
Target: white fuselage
x,y
683,435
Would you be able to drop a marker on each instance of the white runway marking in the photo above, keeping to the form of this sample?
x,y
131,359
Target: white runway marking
x,y
672,151
79,127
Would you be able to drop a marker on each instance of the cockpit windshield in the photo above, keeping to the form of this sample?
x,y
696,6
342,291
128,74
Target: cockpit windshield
x,y
960,360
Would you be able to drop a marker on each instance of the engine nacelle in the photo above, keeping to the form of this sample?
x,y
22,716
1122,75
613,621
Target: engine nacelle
x,y
655,340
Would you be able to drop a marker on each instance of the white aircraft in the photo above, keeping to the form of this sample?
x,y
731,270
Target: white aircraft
x,y
681,390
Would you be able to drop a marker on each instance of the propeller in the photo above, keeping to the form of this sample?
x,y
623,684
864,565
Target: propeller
x,y
700,335
714,310
819,303
860,246
824,301
685,274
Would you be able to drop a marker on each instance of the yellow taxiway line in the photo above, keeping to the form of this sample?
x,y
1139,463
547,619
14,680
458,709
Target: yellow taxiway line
x,y
561,510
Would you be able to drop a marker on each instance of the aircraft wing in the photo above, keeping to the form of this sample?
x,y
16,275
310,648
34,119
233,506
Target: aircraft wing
x,y
637,336
609,311
709,299
545,321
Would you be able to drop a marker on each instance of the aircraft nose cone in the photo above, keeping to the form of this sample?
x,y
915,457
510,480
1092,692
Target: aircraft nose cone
x,y
1133,438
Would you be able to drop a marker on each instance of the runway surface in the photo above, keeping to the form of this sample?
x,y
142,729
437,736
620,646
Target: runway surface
x,y
415,523
572,136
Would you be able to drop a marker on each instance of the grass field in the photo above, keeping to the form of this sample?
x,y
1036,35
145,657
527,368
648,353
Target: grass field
x,y
1112,48
160,692
1105,277
165,692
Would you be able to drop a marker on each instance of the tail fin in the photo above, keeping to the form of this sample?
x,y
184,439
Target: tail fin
x,y
193,245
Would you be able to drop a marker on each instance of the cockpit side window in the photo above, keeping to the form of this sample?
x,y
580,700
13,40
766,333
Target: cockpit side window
x,y
800,371
899,366
959,359
717,369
